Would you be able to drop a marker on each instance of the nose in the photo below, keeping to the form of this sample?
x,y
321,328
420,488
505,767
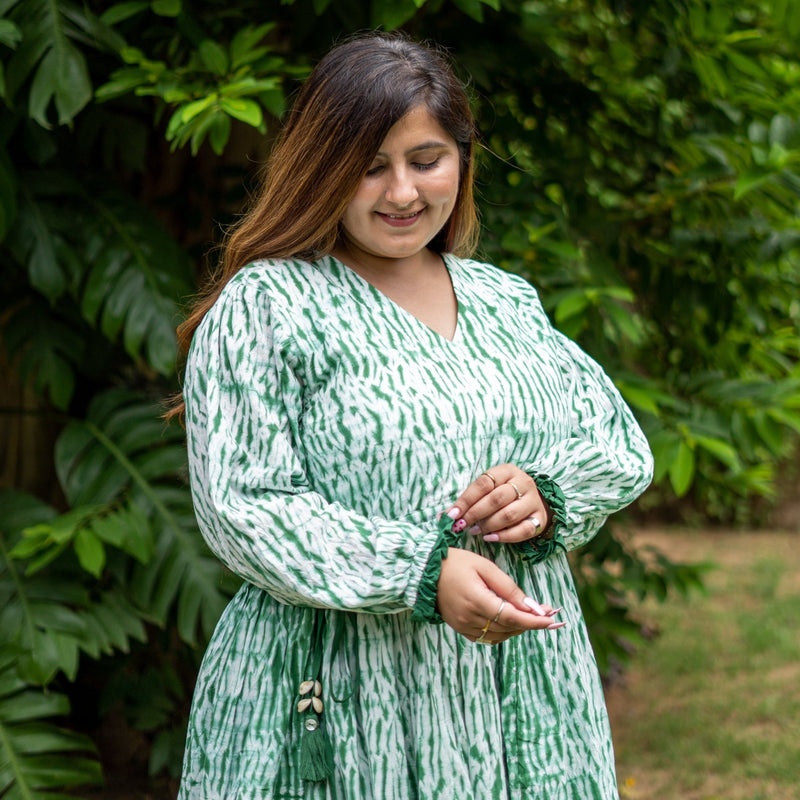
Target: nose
x,y
401,190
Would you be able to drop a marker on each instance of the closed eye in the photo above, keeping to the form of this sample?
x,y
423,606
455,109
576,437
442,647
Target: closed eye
x,y
429,165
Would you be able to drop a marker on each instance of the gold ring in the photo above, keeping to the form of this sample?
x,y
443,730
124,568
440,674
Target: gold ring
x,y
490,476
484,641
515,488
485,629
499,611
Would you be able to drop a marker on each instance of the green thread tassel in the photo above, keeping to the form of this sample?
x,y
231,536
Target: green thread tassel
x,y
316,754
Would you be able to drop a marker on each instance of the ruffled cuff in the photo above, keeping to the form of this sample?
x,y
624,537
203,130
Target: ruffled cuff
x,y
425,608
542,547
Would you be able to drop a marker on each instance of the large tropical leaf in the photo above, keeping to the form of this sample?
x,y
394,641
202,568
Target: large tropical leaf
x,y
114,259
121,449
38,759
48,56
49,609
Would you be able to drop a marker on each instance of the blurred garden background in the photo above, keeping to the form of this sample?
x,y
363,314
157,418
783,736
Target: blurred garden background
x,y
640,164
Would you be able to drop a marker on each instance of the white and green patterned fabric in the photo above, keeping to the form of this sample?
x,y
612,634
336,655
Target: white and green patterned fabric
x,y
328,428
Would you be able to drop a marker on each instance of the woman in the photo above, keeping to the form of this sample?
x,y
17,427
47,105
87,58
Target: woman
x,y
384,436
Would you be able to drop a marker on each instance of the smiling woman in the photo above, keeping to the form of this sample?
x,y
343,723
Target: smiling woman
x,y
393,447
403,201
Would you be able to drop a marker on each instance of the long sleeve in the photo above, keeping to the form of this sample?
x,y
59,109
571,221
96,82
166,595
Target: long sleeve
x,y
605,462
255,505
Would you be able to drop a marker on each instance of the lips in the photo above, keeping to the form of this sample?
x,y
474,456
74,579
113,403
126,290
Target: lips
x,y
401,220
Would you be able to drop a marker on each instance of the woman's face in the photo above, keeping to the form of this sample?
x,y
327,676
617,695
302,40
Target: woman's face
x,y
409,191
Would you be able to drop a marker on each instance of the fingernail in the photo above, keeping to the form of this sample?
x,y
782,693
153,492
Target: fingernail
x,y
474,530
454,513
459,526
491,537
555,625
534,606
555,611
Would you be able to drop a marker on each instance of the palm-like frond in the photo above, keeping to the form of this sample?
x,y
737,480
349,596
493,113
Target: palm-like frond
x,y
122,449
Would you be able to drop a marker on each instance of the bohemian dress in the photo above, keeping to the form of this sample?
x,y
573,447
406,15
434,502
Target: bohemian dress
x,y
328,430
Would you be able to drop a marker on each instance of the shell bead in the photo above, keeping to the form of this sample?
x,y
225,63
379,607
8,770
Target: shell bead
x,y
303,705
306,687
317,688
317,704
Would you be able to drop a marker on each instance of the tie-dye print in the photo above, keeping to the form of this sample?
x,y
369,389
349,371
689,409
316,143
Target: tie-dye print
x,y
327,429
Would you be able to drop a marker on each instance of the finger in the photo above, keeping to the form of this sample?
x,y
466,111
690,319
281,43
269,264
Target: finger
x,y
520,611
485,484
529,528
500,509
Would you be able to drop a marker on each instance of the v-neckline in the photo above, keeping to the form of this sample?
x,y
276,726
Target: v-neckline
x,y
411,319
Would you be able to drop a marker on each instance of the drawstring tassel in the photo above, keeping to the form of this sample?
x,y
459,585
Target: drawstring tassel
x,y
316,753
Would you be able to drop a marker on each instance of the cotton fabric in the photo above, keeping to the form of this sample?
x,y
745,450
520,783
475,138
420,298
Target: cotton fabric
x,y
328,429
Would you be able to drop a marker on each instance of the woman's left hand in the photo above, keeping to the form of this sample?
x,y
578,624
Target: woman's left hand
x,y
502,505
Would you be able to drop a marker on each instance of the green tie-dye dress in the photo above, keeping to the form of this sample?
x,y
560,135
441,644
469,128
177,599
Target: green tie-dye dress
x,y
328,429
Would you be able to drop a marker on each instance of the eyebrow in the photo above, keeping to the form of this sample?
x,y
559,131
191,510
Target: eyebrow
x,y
432,145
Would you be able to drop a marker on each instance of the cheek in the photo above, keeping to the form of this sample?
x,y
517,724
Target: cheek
x,y
444,187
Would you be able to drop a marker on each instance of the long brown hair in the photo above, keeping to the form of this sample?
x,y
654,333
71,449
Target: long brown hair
x,y
342,114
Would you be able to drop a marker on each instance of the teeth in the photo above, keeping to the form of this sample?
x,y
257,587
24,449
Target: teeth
x,y
402,216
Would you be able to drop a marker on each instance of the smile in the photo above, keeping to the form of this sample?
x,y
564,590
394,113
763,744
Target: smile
x,y
401,220
402,216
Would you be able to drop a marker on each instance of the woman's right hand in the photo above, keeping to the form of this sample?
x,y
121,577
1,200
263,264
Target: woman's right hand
x,y
471,591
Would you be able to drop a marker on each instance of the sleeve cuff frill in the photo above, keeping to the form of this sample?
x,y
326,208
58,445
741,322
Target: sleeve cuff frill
x,y
425,607
536,550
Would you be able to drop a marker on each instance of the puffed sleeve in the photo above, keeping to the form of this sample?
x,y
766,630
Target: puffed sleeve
x,y
604,463
252,498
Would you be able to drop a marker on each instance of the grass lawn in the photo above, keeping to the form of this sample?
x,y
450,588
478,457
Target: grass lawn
x,y
711,709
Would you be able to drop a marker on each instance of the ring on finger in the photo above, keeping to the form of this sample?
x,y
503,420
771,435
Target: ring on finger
x,y
516,489
490,477
499,611
537,526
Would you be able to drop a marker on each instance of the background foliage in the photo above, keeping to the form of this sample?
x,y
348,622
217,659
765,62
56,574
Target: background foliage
x,y
640,165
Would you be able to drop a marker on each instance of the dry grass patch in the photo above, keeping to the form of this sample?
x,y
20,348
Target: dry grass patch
x,y
711,710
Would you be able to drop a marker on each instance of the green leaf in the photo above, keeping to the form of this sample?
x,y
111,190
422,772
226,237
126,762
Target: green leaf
x,y
187,112
213,56
62,77
90,551
721,449
571,305
166,8
473,8
751,179
10,34
218,132
638,397
392,15
124,438
681,470
245,47
242,109
122,11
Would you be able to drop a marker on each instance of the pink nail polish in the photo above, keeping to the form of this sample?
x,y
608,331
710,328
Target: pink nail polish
x,y
555,625
555,611
474,530
454,513
491,537
534,606
459,526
